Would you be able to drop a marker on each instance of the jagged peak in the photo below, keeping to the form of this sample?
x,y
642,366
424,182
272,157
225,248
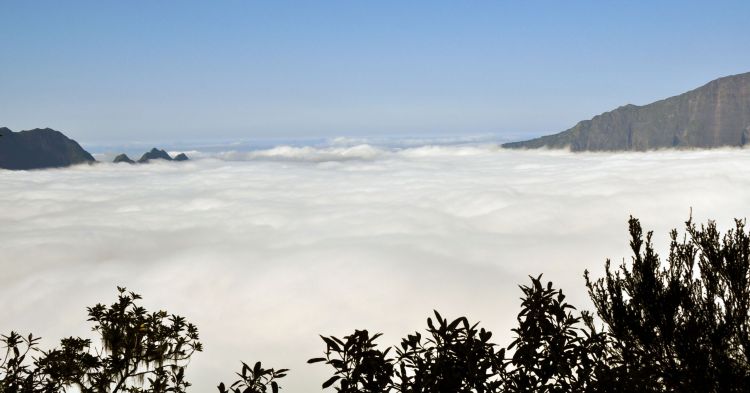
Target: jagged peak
x,y
181,157
123,158
155,154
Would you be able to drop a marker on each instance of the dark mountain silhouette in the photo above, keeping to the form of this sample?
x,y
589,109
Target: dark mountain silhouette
x,y
155,154
714,115
123,158
39,148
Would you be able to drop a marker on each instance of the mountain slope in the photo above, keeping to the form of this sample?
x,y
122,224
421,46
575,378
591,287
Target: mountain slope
x,y
39,148
714,115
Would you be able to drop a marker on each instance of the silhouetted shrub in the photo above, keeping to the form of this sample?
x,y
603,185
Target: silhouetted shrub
x,y
255,380
141,352
455,356
554,350
358,365
684,326
678,325
16,373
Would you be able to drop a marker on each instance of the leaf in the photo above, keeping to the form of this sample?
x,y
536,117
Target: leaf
x,y
439,318
454,324
331,344
330,381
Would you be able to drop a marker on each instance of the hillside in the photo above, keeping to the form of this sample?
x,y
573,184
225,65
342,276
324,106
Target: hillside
x,y
39,148
714,115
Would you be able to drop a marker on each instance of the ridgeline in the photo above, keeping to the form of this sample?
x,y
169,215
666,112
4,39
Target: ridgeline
x,y
714,115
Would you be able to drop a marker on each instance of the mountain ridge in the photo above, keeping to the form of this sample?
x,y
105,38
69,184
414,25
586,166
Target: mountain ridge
x,y
38,149
716,114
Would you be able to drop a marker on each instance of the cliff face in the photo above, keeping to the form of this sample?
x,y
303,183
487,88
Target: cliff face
x,y
714,115
39,148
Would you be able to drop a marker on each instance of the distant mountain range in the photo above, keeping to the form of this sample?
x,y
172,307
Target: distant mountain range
x,y
714,115
153,154
46,148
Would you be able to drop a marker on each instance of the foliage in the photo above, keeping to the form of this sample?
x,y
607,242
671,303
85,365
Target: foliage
x,y
553,351
16,374
681,324
142,352
455,357
358,365
255,380
684,326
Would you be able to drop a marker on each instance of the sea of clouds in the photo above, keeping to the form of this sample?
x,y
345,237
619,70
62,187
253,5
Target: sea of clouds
x,y
266,249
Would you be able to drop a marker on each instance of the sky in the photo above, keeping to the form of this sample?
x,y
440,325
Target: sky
x,y
268,250
183,70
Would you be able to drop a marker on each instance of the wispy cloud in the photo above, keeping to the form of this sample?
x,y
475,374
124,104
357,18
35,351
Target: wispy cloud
x,y
265,253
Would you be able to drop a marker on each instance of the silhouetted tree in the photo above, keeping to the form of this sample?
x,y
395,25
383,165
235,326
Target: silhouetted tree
x,y
682,327
142,352
17,374
678,325
455,356
358,365
555,350
254,380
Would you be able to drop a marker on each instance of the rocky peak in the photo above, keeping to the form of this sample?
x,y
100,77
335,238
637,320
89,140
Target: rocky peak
x,y
155,154
123,158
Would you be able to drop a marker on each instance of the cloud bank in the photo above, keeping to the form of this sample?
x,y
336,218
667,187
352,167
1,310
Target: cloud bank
x,y
267,251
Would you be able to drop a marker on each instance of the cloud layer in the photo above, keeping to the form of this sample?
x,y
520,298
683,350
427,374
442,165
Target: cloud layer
x,y
267,251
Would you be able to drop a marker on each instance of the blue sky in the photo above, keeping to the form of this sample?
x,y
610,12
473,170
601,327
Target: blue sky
x,y
181,70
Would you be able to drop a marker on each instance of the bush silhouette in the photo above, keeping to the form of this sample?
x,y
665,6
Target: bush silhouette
x,y
455,356
554,350
255,380
16,373
681,324
359,366
141,352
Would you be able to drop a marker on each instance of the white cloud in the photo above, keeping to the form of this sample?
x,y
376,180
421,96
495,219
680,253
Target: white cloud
x,y
266,253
